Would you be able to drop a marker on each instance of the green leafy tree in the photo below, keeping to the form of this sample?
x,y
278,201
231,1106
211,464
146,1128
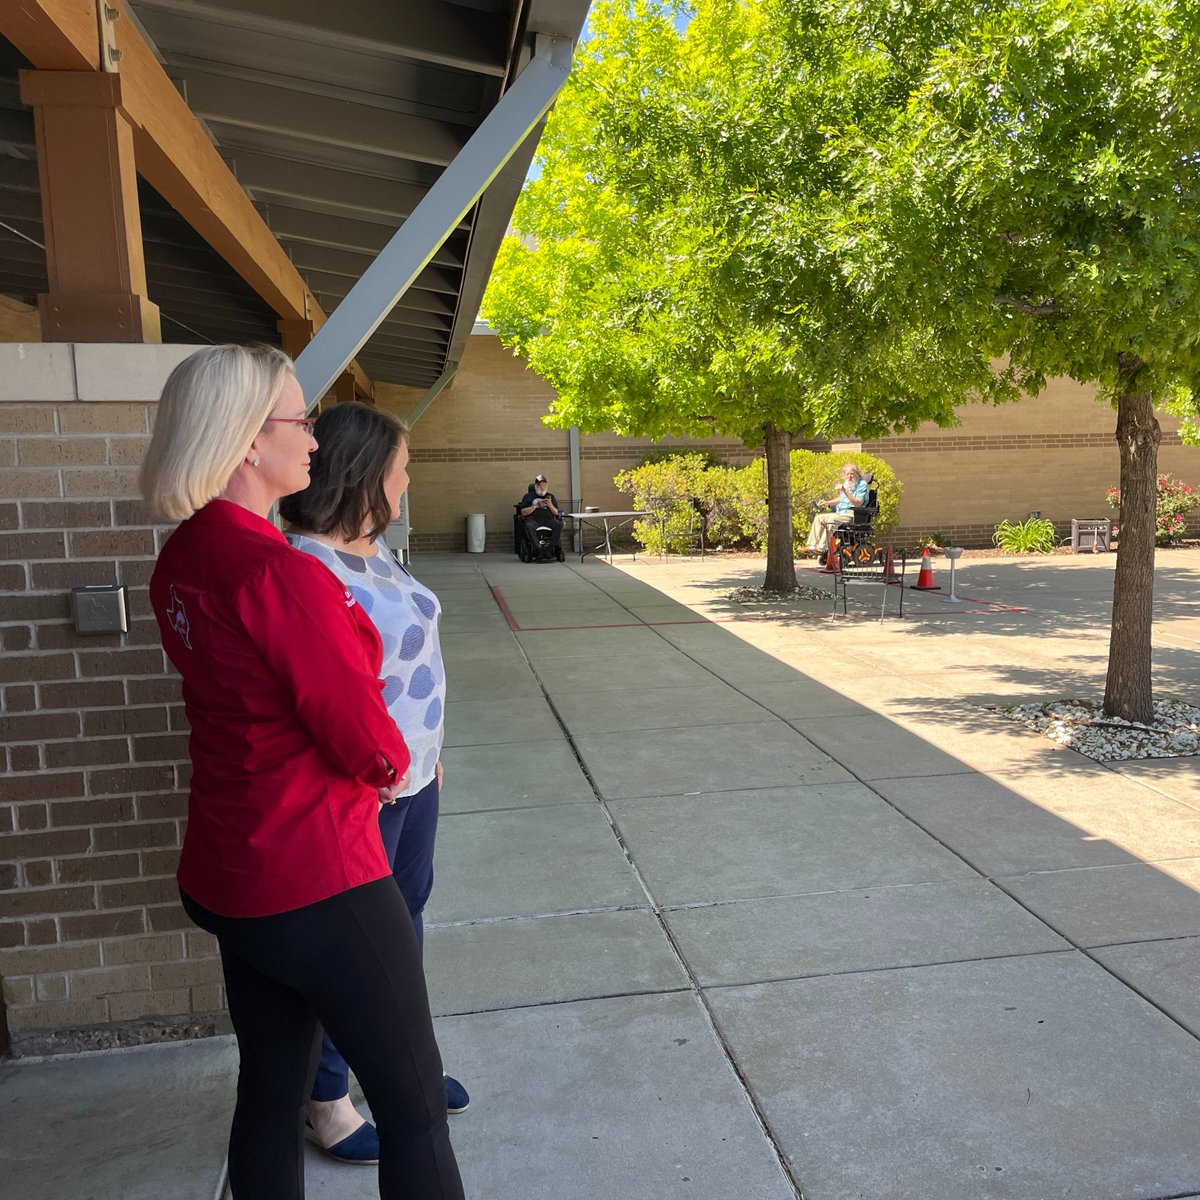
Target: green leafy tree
x,y
1041,192
683,264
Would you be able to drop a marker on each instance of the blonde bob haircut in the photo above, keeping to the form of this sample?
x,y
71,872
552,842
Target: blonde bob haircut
x,y
212,406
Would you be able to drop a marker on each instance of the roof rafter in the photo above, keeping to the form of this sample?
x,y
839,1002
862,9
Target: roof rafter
x,y
425,30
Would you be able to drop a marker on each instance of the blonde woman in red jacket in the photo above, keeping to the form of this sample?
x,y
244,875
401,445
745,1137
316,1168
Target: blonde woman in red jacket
x,y
292,751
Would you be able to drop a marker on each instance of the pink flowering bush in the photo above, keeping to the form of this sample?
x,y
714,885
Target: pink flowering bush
x,y
1174,500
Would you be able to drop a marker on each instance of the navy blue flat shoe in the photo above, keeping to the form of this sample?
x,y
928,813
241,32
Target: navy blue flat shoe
x,y
360,1149
457,1099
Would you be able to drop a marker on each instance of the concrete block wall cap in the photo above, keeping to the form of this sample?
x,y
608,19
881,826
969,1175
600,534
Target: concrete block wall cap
x,y
125,371
36,371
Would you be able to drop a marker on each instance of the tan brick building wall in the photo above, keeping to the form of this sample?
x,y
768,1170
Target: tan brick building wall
x,y
1053,453
94,738
478,445
481,441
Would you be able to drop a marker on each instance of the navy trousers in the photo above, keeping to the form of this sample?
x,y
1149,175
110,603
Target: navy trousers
x,y
409,828
351,963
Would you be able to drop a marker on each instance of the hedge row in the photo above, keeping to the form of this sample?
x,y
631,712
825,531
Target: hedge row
x,y
735,498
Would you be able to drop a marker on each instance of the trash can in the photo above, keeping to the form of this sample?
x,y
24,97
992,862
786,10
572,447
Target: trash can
x,y
476,533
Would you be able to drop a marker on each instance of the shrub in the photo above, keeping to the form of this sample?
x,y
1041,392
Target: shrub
x,y
664,483
815,477
736,497
1173,501
1035,536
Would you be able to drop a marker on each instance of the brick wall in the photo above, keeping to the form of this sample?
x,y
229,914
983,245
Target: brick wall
x,y
95,742
1053,453
481,441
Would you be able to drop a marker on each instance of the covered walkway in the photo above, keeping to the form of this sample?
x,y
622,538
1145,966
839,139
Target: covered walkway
x,y
741,909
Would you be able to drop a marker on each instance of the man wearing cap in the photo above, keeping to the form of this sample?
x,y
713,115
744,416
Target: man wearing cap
x,y
539,508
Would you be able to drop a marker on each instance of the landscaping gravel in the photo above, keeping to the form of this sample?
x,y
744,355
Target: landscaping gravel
x,y
759,595
1081,725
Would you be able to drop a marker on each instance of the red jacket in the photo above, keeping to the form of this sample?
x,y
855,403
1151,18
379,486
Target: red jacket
x,y
281,684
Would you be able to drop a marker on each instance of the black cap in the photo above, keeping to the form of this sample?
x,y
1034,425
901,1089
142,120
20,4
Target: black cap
x,y
539,479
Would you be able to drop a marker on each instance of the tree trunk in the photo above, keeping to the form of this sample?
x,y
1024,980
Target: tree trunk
x,y
1127,691
781,561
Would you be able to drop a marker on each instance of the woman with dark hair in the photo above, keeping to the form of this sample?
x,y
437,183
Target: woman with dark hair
x,y
357,477
292,751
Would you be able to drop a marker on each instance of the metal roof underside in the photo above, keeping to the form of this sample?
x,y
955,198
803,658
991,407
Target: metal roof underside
x,y
336,119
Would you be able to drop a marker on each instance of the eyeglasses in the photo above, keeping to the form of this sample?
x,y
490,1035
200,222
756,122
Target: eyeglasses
x,y
309,423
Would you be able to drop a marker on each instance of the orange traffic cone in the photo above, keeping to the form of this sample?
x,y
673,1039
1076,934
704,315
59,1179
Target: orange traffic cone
x,y
925,578
832,559
889,566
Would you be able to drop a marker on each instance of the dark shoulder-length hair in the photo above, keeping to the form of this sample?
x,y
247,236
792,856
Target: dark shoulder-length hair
x,y
345,495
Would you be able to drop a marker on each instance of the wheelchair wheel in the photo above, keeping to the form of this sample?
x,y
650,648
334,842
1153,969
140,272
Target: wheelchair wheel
x,y
845,555
863,554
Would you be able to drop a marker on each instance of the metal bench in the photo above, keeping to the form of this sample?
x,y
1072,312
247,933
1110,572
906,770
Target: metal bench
x,y
884,569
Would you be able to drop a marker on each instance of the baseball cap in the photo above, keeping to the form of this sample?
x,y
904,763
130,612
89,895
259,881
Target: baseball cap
x,y
539,479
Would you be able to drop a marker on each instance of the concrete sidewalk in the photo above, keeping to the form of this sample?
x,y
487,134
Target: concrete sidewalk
x,y
739,905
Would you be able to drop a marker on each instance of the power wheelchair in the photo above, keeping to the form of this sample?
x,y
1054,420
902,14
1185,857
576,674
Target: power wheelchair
x,y
853,542
525,549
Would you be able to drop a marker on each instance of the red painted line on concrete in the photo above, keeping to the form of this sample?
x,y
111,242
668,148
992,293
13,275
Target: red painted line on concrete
x,y
992,605
498,596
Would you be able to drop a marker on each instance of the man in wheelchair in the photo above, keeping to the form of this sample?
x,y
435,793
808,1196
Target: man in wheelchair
x,y
541,518
853,494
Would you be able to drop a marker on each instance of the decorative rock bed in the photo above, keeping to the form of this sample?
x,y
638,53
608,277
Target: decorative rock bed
x,y
759,595
1082,726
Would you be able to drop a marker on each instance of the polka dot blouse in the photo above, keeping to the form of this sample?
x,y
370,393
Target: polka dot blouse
x,y
406,614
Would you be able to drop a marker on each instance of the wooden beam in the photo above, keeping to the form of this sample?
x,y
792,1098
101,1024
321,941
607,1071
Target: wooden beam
x,y
55,35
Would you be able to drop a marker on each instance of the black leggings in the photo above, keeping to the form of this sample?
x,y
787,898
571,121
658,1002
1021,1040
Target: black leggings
x,y
351,964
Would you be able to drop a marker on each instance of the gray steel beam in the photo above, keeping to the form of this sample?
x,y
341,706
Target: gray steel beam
x,y
492,216
347,193
462,183
412,357
357,237
432,279
434,343
426,30
16,129
401,319
22,206
235,140
347,265
407,368
402,84
429,302
442,382
576,482
269,179
387,373
223,100
19,174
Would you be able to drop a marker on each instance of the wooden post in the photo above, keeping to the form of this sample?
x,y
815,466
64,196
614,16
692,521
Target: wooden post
x,y
343,387
90,213
294,334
